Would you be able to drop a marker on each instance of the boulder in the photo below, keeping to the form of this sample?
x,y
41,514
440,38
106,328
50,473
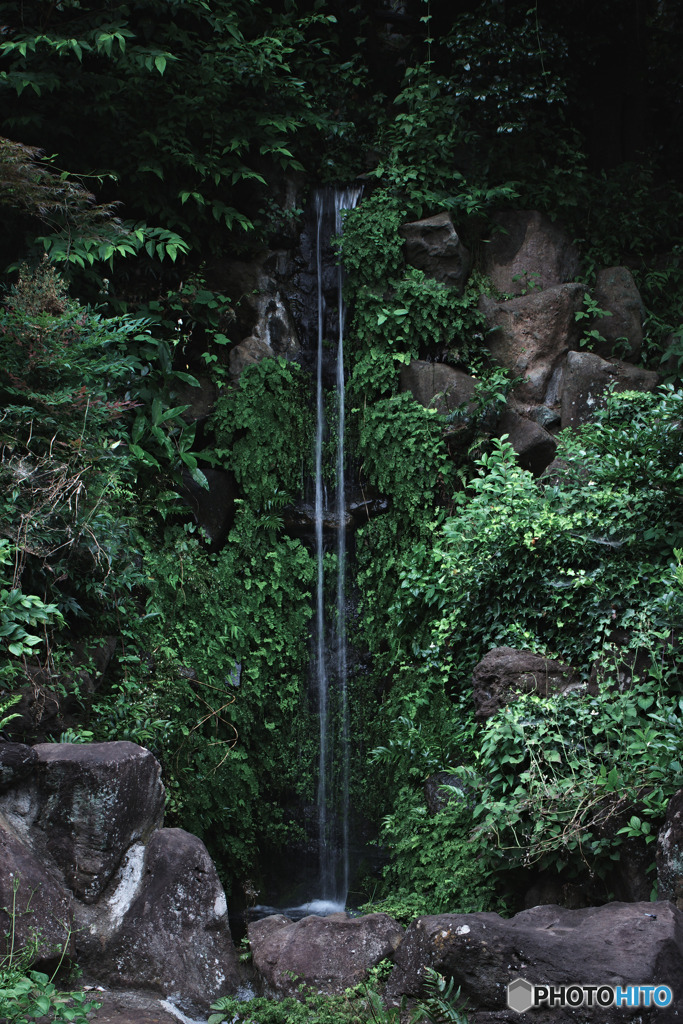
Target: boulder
x,y
616,944
616,293
433,246
252,350
586,379
94,800
670,853
530,336
443,788
329,954
438,386
504,671
17,762
85,864
170,925
529,251
535,447
36,909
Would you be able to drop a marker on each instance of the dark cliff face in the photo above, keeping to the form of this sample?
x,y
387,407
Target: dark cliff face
x,y
304,296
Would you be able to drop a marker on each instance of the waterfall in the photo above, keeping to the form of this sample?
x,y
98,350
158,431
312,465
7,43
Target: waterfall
x,y
333,777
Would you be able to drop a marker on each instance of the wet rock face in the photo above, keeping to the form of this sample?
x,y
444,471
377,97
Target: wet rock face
x,y
586,379
35,905
328,953
437,385
503,672
616,944
535,447
433,246
670,853
617,294
531,336
96,800
529,251
17,762
264,323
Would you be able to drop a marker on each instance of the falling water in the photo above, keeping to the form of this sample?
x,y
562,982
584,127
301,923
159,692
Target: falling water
x,y
334,862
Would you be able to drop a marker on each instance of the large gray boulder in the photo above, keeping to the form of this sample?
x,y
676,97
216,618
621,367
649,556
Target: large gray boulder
x,y
166,926
93,801
17,762
36,908
85,863
329,954
586,379
616,293
527,251
433,246
438,386
616,944
504,672
530,336
670,853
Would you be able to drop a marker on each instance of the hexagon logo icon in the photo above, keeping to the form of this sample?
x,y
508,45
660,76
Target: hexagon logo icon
x,y
520,995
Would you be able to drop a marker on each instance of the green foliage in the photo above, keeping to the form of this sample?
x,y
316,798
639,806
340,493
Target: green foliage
x,y
434,862
402,451
553,568
70,457
264,431
27,996
81,231
360,1005
371,245
143,70
439,1005
229,636
554,774
18,610
591,311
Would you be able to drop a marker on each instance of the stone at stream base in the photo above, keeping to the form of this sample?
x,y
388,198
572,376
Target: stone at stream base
x,y
432,245
534,447
504,671
616,944
174,936
670,853
530,252
586,380
531,336
326,954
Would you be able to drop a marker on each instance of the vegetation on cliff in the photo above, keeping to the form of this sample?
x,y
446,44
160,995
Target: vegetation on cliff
x,y
200,128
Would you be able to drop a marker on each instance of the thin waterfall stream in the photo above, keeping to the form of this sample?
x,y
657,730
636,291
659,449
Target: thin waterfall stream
x,y
333,777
